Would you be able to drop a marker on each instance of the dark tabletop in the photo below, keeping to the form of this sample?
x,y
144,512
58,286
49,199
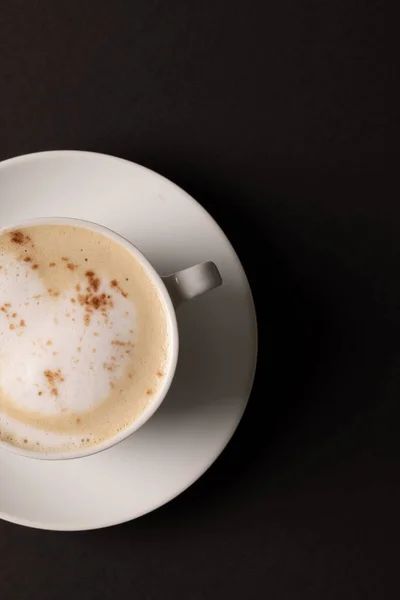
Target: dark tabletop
x,y
277,117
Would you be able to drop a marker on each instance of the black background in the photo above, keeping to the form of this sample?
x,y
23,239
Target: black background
x,y
277,116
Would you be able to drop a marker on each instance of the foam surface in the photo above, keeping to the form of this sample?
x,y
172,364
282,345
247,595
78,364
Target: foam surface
x,y
71,353
77,362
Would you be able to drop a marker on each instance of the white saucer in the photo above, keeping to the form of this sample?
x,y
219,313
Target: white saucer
x,y
218,345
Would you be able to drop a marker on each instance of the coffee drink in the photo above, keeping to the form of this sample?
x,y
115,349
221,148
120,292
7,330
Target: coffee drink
x,y
84,339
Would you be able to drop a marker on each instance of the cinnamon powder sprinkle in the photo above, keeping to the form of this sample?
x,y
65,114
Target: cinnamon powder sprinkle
x,y
71,266
35,266
114,283
54,378
93,301
17,237
94,282
64,258
22,323
27,259
52,264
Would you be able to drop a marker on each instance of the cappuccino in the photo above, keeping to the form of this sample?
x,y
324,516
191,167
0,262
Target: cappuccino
x,y
84,341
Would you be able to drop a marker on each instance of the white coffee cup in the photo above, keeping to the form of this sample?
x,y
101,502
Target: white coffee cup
x,y
173,290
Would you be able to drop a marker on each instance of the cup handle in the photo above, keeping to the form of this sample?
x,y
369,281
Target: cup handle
x,y
194,281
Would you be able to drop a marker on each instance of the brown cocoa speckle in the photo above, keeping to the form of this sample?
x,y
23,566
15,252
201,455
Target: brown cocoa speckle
x,y
27,259
160,374
78,420
114,284
40,393
12,326
54,378
149,392
17,237
35,266
22,323
93,281
52,264
65,258
71,266
14,315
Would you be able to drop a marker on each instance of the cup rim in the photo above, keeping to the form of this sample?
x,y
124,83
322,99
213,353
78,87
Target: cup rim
x,y
173,339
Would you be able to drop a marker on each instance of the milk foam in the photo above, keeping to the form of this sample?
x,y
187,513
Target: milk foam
x,y
53,359
84,338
